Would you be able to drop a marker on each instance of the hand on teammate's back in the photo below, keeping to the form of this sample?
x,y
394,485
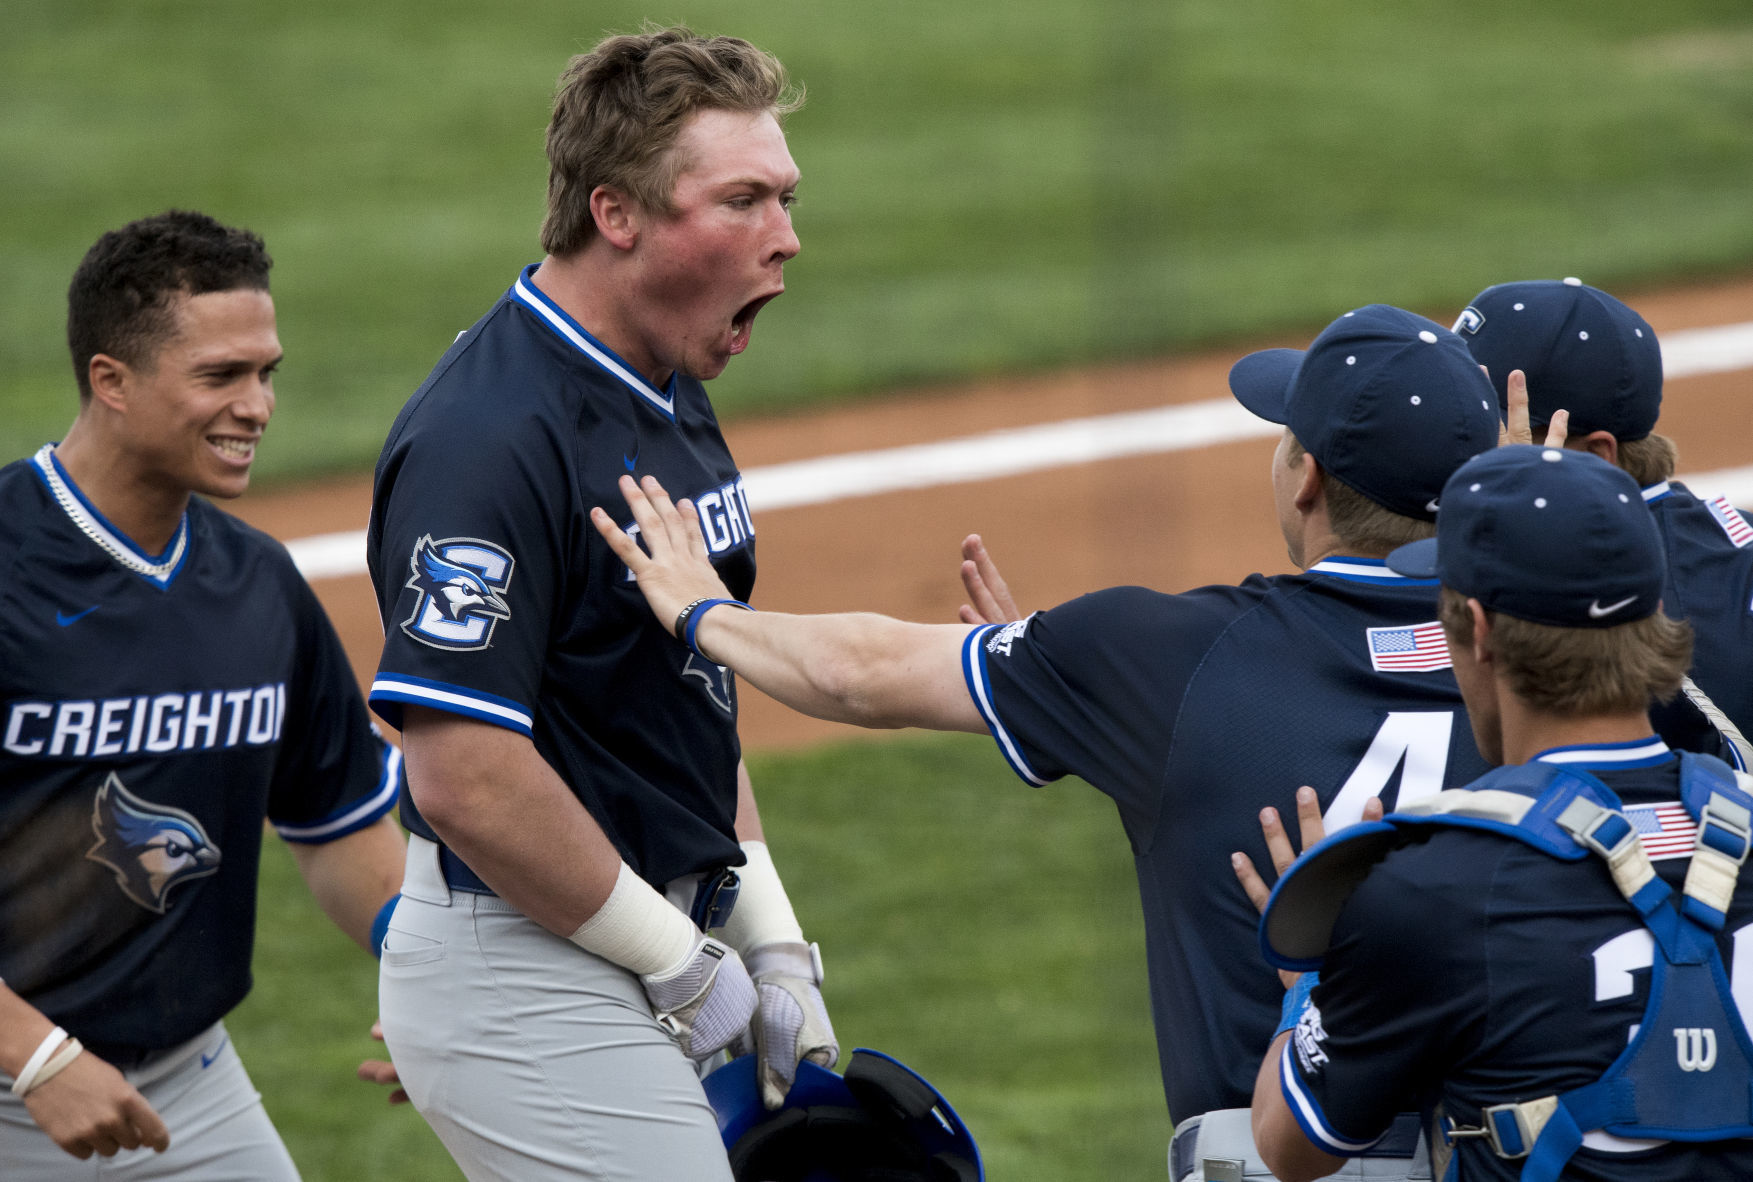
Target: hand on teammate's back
x,y
1311,828
382,1071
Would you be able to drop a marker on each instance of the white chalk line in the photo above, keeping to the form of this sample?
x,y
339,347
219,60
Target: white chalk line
x,y
1018,450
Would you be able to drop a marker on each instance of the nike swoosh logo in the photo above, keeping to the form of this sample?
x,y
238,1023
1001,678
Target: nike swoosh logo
x,y
63,619
208,1060
1596,611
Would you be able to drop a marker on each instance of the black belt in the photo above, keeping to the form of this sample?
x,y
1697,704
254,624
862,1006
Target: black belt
x,y
122,1058
714,898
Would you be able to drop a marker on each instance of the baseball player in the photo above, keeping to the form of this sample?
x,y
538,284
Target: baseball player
x,y
1585,352
1538,960
167,680
1193,710
581,817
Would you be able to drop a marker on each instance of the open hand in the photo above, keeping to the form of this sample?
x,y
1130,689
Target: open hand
x,y
1311,830
672,569
382,1071
990,596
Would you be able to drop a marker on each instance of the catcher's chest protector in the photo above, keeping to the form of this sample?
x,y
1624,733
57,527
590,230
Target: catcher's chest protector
x,y
1687,1074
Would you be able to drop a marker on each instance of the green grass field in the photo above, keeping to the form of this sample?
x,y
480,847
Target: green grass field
x,y
988,187
984,932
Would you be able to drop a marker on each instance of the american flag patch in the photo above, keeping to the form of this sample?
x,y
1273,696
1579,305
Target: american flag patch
x,y
1729,517
1666,830
1419,648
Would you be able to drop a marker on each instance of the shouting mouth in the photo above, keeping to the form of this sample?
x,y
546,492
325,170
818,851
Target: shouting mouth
x,y
742,325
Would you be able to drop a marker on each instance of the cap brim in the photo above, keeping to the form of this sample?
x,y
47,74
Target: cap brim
x,y
1261,380
1298,924
1415,560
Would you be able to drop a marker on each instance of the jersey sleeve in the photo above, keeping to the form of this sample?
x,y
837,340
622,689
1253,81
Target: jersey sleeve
x,y
1403,993
469,566
1092,687
337,773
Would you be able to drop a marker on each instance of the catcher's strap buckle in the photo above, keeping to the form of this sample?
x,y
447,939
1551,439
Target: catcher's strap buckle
x,y
715,898
1510,1129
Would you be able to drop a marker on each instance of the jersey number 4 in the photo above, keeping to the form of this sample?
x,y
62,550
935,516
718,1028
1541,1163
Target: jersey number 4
x,y
1414,742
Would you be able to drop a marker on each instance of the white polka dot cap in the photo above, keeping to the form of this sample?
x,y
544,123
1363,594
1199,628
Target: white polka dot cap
x,y
1388,401
1551,536
1583,352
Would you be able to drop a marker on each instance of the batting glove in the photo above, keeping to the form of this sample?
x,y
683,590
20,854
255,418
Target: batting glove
x,y
792,1023
705,1003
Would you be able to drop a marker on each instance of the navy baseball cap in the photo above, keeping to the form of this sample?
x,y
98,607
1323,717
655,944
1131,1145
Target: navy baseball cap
x,y
1582,350
1389,402
1547,535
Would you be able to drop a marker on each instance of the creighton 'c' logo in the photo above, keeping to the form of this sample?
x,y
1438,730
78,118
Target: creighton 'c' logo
x,y
151,847
459,580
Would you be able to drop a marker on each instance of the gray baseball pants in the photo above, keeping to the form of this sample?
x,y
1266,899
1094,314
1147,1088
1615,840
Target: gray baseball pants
x,y
219,1131
531,1058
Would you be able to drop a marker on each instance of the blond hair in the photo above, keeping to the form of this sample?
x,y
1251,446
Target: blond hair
x,y
620,108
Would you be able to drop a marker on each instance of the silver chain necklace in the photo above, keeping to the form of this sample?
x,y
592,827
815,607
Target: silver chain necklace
x,y
95,530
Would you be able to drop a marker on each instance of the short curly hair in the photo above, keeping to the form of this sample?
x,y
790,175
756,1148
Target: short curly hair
x,y
620,108
120,300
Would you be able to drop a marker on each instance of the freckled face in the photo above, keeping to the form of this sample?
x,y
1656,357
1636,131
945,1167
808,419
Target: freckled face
x,y
196,412
706,269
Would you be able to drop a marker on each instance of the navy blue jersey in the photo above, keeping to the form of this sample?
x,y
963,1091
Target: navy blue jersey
x,y
1471,969
155,709
1710,584
501,603
1193,712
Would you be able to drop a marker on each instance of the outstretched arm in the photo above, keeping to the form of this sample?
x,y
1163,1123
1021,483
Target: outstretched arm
x,y
865,669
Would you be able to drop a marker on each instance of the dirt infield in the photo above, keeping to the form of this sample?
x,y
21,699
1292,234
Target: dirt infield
x,y
1167,521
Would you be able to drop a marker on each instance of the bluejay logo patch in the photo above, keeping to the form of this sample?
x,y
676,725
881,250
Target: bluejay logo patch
x,y
460,581
716,679
151,847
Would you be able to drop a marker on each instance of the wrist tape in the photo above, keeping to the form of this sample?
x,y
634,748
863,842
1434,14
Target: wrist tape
x,y
763,913
637,929
1296,1000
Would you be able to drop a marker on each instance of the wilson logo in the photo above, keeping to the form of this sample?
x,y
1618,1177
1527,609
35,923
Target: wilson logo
x,y
1695,1047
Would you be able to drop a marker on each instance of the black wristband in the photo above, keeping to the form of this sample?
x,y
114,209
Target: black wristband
x,y
689,620
682,616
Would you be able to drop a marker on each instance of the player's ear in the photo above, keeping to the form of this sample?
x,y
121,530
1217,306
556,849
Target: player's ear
x,y
616,217
1308,482
1481,631
1600,443
110,378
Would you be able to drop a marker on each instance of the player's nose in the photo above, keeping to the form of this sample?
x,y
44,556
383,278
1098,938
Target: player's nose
x,y
784,242
255,401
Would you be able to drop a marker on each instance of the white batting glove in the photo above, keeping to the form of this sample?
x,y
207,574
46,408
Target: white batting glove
x,y
706,1002
792,1023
